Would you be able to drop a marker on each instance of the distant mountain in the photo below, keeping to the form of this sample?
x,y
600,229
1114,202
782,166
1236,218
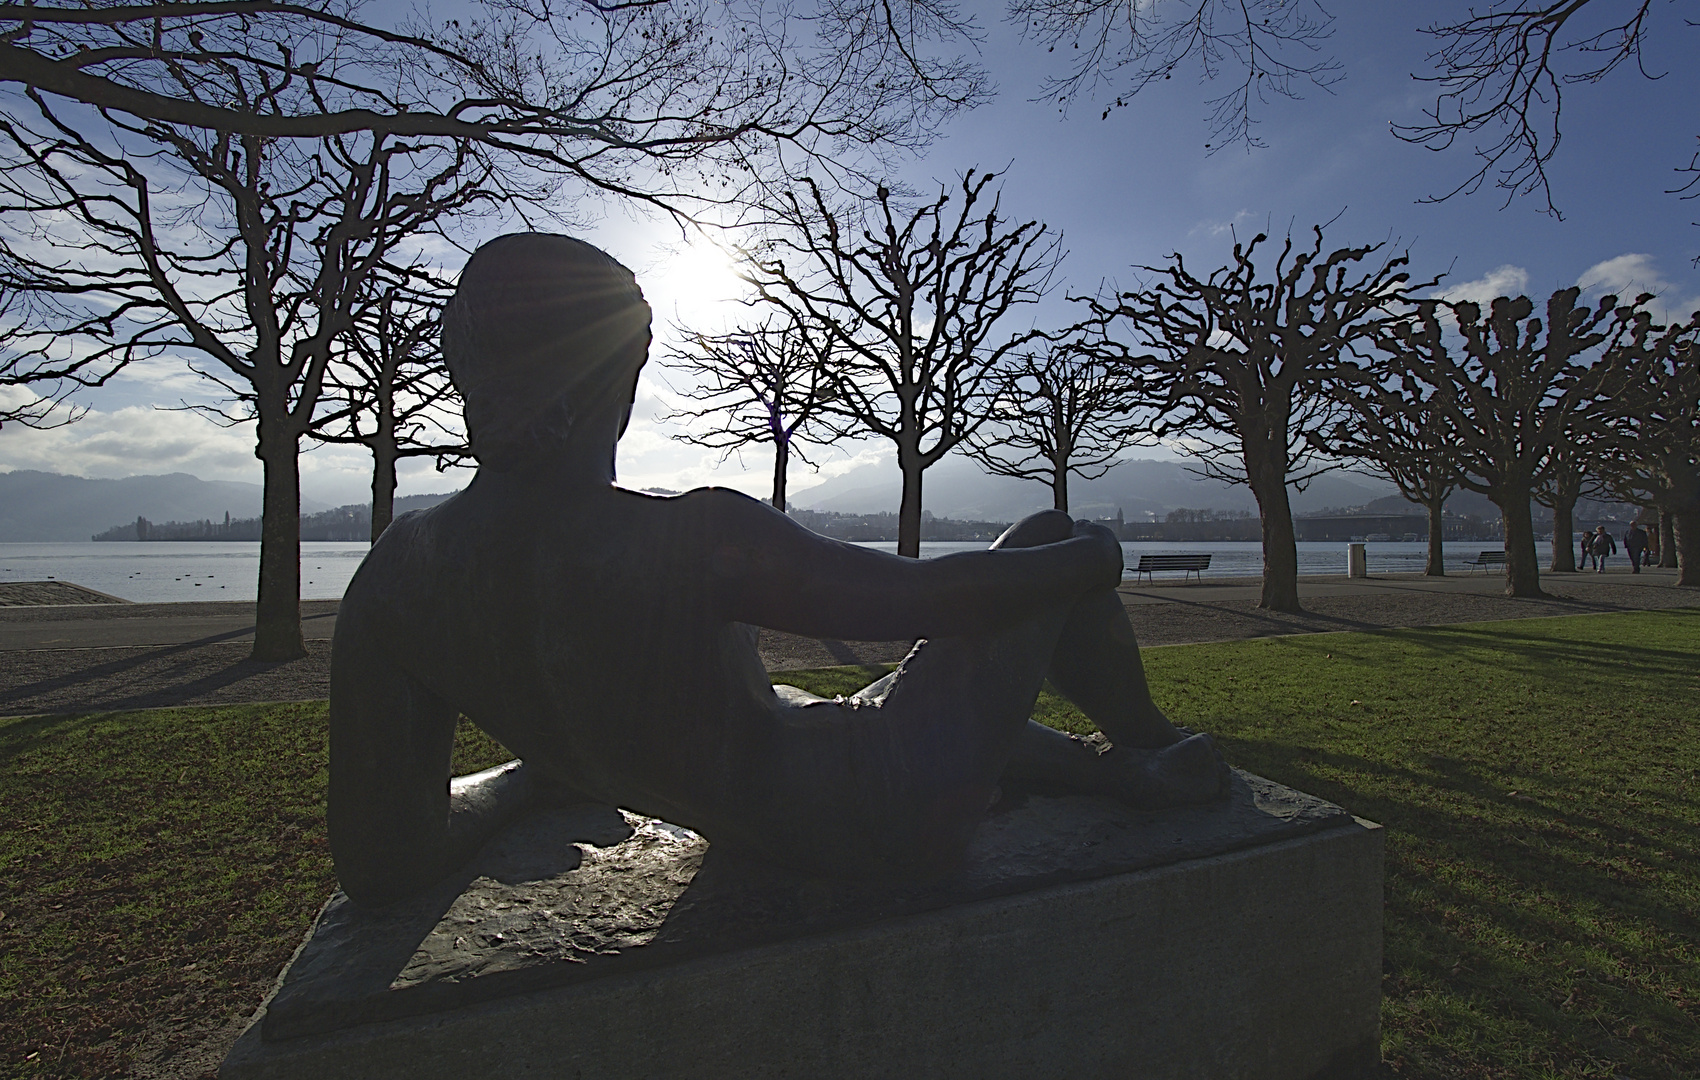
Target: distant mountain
x,y
406,504
341,524
957,488
44,507
1477,505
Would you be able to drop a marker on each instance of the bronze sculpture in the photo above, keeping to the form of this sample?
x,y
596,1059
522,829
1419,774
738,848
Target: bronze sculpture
x,y
603,636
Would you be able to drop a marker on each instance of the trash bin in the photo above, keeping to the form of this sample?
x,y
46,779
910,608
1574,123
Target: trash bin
x,y
1357,563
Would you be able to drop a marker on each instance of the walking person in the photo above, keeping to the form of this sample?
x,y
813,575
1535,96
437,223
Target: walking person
x,y
1602,546
1587,543
1635,543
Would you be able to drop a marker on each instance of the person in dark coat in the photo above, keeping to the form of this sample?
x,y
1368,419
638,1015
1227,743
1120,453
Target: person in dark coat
x,y
1586,544
1602,546
1635,543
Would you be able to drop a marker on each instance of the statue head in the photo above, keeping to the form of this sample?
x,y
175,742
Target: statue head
x,y
544,334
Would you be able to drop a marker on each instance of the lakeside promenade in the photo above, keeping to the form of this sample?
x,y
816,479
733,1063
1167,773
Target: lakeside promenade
x,y
76,657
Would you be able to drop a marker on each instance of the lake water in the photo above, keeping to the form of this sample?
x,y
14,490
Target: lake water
x,y
163,571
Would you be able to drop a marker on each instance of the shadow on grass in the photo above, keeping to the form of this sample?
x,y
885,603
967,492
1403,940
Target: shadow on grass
x,y
1554,921
1277,623
18,737
183,677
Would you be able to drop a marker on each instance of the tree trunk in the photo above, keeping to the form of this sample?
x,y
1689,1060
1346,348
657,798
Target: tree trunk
x,y
1059,487
1522,564
1436,564
383,486
1685,524
1667,539
909,510
781,459
384,453
1280,546
277,626
1563,539
911,465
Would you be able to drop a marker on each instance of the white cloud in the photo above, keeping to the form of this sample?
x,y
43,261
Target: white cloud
x,y
1506,280
1625,275
1213,229
1628,276
139,440
131,440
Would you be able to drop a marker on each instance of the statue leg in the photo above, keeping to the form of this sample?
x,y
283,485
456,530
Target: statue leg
x,y
893,781
1095,664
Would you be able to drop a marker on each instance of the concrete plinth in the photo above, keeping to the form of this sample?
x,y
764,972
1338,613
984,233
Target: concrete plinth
x,y
1083,939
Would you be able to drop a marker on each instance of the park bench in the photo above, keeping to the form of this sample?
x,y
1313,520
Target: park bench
x,y
1486,559
1192,564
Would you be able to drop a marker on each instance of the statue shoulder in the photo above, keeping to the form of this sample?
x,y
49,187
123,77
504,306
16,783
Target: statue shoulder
x,y
726,504
401,563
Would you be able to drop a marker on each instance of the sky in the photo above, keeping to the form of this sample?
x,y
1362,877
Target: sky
x,y
1124,192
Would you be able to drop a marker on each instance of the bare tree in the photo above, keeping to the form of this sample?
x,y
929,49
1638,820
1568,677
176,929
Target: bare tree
x,y
1059,411
1651,452
769,383
387,389
1510,399
1393,428
1264,48
1239,367
920,301
249,253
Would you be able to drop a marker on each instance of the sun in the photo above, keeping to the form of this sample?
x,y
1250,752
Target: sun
x,y
695,284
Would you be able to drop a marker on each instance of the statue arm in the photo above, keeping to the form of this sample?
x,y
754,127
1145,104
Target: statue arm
x,y
769,571
397,822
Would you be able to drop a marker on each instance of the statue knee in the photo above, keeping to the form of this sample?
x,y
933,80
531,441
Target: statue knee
x,y
1045,527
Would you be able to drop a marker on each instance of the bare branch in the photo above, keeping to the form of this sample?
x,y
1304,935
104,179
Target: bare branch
x,y
1122,47
1501,81
632,98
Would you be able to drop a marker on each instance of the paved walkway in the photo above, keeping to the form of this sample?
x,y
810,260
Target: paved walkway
x,y
124,625
80,657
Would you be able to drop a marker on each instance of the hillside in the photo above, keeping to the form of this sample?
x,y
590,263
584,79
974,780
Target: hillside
x,y
42,506
342,523
957,488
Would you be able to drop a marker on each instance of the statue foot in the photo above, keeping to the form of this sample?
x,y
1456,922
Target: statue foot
x,y
1185,773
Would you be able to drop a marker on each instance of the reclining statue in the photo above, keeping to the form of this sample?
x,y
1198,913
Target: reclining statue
x,y
604,636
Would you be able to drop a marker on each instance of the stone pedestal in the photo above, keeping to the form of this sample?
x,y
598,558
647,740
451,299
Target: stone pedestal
x,y
1357,561
1083,939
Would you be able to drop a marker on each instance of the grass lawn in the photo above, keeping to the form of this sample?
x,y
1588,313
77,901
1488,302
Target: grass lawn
x,y
1538,780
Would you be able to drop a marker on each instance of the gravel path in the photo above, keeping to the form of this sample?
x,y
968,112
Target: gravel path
x,y
77,680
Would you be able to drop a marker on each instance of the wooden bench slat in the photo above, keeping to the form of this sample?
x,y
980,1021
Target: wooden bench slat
x,y
1485,559
1192,564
